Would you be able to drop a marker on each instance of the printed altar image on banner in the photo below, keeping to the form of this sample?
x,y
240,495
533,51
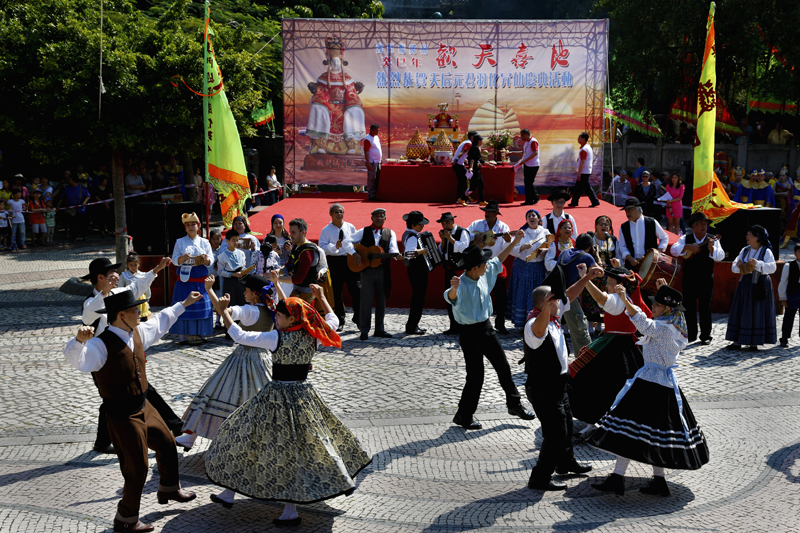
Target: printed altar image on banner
x,y
426,84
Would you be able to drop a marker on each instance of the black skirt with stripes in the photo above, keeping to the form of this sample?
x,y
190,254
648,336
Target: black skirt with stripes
x,y
646,427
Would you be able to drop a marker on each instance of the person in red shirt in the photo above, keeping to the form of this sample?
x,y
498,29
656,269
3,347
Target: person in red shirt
x,y
37,208
303,267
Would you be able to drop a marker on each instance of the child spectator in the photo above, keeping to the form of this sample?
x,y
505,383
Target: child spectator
x,y
50,221
215,238
130,276
36,184
5,225
789,294
37,208
17,220
267,258
230,263
5,191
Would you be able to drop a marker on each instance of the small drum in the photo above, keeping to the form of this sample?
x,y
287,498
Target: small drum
x,y
666,267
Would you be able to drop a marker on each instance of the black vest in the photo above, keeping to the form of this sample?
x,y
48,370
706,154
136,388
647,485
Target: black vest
x,y
699,268
543,367
794,279
368,240
650,238
294,259
551,226
417,262
452,258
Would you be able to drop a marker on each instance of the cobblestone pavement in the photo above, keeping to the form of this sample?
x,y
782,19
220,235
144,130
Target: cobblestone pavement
x,y
398,395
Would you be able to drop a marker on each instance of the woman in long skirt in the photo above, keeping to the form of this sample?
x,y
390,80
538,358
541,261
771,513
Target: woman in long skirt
x,y
285,444
650,420
751,321
192,255
526,275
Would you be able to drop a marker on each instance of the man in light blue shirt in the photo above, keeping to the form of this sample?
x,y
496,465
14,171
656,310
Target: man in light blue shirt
x,y
469,295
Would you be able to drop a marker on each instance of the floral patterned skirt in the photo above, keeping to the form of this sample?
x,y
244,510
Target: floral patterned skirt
x,y
286,445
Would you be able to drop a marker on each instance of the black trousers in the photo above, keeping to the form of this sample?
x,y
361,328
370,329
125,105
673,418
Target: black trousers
x,y
341,275
174,422
551,405
461,180
448,274
788,322
478,341
418,277
582,185
476,183
529,174
697,296
500,300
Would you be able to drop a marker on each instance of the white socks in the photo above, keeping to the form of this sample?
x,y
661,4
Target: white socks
x,y
658,471
186,440
289,512
621,466
227,495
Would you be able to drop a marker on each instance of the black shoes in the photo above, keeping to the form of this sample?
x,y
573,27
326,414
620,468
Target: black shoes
x,y
340,328
657,486
613,483
733,346
785,343
521,412
466,423
382,335
104,449
501,329
450,331
364,336
287,523
550,484
217,499
705,342
573,467
417,331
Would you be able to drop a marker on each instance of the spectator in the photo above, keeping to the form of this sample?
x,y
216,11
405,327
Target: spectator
x,y
5,226
37,208
103,214
646,193
779,135
748,133
17,205
82,177
685,135
5,191
36,184
159,176
639,169
134,183
50,222
19,184
273,188
74,198
675,188
47,189
620,189
761,131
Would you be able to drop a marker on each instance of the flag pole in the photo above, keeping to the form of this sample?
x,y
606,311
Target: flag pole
x,y
205,123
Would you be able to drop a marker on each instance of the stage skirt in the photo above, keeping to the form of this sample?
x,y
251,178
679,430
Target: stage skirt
x,y
197,319
751,322
284,444
599,373
646,427
245,372
524,278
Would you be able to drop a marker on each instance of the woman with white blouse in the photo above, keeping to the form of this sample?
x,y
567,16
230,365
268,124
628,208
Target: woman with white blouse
x,y
564,241
526,275
192,255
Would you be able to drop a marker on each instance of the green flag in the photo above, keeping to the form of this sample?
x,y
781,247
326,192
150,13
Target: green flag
x,y
264,115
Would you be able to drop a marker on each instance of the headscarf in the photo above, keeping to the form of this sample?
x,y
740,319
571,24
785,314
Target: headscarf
x,y
308,319
244,221
272,225
267,297
674,317
558,230
528,212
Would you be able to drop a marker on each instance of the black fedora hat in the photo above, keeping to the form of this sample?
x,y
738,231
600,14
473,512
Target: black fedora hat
x,y
618,273
559,195
254,282
698,217
670,297
120,301
416,217
557,283
631,202
491,206
446,216
99,267
474,256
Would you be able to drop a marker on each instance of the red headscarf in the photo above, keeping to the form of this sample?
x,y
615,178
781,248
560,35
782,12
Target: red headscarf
x,y
308,319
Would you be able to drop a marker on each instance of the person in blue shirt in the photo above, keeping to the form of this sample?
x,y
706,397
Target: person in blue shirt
x,y
640,169
574,317
469,296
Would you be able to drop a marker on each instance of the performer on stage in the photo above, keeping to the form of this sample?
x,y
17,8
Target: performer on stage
x,y
652,405
117,361
472,307
376,283
417,269
331,240
526,275
789,294
285,444
474,162
230,264
192,254
374,156
751,321
455,240
546,354
530,166
756,190
640,234
477,229
585,160
601,368
563,242
700,250
459,160
553,220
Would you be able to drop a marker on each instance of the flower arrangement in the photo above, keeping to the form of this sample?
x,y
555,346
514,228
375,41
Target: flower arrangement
x,y
500,139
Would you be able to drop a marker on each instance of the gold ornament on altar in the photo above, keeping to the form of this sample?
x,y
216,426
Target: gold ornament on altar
x,y
417,148
443,144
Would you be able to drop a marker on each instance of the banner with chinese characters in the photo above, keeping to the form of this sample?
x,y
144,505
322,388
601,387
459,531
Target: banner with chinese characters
x,y
443,78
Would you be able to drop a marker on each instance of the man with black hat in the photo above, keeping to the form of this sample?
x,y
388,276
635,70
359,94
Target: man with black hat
x,y
417,269
469,297
459,159
484,234
700,250
559,199
639,234
545,360
570,260
331,240
116,359
376,283
455,240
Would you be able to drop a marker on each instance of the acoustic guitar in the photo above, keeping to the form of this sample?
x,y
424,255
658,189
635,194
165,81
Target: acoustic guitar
x,y
711,238
244,271
370,257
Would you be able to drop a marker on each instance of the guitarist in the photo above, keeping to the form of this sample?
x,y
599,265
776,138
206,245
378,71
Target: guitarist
x,y
455,240
703,250
375,282
331,240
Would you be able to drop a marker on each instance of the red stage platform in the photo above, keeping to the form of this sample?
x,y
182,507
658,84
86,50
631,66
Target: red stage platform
x,y
437,183
314,209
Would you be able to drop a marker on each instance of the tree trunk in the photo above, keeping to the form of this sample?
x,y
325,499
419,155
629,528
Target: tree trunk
x,y
120,220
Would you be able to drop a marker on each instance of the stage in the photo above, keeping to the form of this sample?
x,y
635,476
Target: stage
x,y
437,183
314,209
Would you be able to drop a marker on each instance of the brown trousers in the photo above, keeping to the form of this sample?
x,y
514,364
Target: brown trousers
x,y
327,289
132,436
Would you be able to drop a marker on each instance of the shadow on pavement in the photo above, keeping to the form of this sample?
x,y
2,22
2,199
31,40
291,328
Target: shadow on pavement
x,y
485,512
82,461
783,461
246,515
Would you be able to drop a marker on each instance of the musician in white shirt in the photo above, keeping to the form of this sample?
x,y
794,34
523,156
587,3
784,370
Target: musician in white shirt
x,y
331,240
530,166
455,240
373,155
639,235
553,220
417,269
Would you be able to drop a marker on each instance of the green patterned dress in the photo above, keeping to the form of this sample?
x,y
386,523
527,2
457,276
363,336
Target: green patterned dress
x,y
284,444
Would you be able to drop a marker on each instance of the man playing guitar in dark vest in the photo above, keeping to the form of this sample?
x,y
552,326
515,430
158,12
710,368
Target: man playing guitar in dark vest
x,y
639,235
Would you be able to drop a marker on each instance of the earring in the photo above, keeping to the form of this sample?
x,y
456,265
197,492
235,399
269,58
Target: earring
x,y
325,62
345,63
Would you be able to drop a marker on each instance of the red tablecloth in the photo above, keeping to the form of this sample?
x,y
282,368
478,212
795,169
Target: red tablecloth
x,y
431,183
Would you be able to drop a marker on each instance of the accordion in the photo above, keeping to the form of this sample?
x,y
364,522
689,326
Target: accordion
x,y
434,257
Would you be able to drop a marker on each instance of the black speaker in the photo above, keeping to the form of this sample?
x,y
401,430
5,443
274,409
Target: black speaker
x,y
146,226
734,229
174,227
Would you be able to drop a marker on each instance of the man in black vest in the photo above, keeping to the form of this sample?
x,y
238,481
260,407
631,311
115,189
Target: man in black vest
x,y
545,359
304,262
375,282
639,235
700,251
455,240
417,269
554,218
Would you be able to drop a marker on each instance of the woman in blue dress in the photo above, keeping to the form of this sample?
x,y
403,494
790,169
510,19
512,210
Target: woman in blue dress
x,y
526,275
192,255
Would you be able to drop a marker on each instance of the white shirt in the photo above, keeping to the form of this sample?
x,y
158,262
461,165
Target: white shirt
x,y
17,207
677,248
92,355
527,149
90,307
587,163
375,154
269,339
531,236
133,180
637,236
550,258
412,242
126,279
784,284
460,245
557,220
357,236
554,330
767,266
461,152
481,226
193,247
608,246
244,245
247,315
329,236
